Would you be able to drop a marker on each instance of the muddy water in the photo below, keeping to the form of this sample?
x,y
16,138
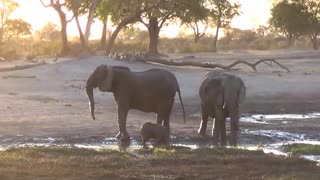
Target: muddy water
x,y
267,139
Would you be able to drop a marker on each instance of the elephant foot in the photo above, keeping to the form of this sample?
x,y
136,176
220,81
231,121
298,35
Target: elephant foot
x,y
118,136
234,138
215,142
233,142
201,132
223,143
125,137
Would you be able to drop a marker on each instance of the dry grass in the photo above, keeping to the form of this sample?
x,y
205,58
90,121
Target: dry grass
x,y
175,163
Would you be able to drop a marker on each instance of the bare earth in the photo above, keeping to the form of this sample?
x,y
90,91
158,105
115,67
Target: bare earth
x,y
50,101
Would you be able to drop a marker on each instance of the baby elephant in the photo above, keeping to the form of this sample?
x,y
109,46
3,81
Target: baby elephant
x,y
154,131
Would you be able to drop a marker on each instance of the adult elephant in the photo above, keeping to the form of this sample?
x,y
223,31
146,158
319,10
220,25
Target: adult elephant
x,y
149,91
221,95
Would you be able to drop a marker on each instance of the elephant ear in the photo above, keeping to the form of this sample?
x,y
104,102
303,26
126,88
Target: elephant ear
x,y
109,79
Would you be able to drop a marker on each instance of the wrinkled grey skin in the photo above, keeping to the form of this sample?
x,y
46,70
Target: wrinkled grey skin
x,y
149,91
158,132
221,95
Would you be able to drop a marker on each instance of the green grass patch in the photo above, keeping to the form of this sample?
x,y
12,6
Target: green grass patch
x,y
306,149
168,163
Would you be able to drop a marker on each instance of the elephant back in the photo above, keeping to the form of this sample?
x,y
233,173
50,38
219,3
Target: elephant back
x,y
234,87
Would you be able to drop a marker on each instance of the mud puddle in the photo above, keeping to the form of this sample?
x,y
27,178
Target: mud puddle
x,y
268,118
270,139
281,138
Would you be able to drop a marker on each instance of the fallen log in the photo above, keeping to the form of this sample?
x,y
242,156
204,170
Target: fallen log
x,y
211,65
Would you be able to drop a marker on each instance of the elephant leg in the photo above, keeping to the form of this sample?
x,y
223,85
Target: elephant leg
x,y
215,131
234,126
122,119
166,119
218,130
164,114
204,121
223,134
159,119
144,143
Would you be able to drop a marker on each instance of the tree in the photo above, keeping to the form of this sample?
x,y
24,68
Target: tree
x,y
103,12
158,17
288,19
195,17
16,27
222,12
312,13
6,8
262,31
123,13
80,8
58,6
196,28
75,6
47,32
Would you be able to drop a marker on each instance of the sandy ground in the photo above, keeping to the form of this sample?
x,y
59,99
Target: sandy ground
x,y
50,100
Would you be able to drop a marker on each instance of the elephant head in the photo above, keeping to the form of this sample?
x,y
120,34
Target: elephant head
x,y
102,77
215,92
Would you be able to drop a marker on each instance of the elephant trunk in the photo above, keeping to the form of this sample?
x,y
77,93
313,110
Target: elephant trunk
x,y
91,100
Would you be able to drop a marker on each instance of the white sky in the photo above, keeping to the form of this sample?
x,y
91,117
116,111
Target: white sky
x,y
254,13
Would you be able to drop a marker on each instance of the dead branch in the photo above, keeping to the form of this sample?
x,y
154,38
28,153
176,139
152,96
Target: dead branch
x,y
146,58
211,65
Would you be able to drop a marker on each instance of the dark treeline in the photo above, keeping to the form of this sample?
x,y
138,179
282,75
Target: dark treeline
x,y
294,23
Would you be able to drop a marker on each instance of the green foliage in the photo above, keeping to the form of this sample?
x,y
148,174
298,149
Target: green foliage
x,y
79,7
121,10
294,18
48,32
194,16
16,27
288,19
103,10
223,11
306,149
7,7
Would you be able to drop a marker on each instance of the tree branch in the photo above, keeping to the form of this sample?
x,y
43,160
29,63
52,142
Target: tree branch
x,y
70,19
49,5
143,58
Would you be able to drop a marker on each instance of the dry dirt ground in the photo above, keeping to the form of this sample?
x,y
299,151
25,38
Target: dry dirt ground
x,y
50,100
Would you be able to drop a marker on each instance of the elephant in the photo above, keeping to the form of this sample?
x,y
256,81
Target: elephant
x,y
220,95
148,91
158,132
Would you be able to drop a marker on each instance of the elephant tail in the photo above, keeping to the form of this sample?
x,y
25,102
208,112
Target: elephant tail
x,y
183,111
242,93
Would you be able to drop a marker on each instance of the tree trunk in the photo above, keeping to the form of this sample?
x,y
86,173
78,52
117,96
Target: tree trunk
x,y
290,40
113,37
90,20
103,39
82,39
153,35
215,40
1,35
64,36
197,38
314,41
